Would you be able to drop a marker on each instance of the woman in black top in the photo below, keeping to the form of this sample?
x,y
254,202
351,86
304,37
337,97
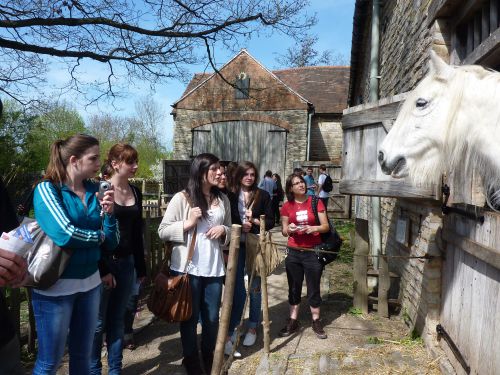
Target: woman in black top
x,y
117,271
248,202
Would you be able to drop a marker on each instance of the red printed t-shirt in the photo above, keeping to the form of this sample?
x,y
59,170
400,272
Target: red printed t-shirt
x,y
302,214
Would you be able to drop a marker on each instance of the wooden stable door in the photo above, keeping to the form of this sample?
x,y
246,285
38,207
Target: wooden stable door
x,y
261,143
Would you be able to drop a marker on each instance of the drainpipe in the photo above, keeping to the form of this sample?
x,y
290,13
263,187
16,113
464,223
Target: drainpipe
x,y
376,243
309,120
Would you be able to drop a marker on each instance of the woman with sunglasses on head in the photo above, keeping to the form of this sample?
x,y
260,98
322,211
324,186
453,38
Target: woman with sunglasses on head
x,y
299,225
70,213
119,269
201,207
248,203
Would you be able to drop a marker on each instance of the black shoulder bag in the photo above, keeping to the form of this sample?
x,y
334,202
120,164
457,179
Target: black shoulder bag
x,y
330,241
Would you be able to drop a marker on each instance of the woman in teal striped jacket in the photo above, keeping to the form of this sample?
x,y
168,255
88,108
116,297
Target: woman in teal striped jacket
x,y
69,212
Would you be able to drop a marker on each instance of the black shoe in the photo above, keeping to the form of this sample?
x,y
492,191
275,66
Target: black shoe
x,y
318,329
292,325
208,360
192,365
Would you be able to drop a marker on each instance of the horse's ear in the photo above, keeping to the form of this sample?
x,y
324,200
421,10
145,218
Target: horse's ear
x,y
438,67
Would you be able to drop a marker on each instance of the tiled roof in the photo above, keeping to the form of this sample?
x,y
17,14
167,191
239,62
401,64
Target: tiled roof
x,y
324,86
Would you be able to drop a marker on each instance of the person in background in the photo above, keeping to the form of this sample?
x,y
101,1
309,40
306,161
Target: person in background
x,y
298,171
222,180
203,207
323,195
279,197
69,212
118,268
248,202
230,170
299,225
13,268
310,184
267,183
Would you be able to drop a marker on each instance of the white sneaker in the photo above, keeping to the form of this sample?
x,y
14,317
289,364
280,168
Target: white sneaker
x,y
228,348
250,338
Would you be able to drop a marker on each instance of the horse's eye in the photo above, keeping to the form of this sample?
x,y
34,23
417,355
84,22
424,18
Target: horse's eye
x,y
421,103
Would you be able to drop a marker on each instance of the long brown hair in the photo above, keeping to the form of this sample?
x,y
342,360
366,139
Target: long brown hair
x,y
120,152
242,168
62,150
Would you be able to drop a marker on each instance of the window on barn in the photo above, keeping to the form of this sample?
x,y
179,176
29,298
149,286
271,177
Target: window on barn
x,y
475,33
242,86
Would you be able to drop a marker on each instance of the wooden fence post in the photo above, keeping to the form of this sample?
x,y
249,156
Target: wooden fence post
x,y
263,285
361,250
232,265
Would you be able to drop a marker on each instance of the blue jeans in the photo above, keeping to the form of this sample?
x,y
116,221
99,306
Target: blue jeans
x,y
206,293
112,315
54,316
240,295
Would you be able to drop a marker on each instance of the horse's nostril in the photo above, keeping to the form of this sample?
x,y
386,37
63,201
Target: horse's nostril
x,y
380,156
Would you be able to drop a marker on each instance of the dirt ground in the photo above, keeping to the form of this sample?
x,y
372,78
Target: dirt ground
x,y
356,344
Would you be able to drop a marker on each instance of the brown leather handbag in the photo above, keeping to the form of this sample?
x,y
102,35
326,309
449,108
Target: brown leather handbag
x,y
171,298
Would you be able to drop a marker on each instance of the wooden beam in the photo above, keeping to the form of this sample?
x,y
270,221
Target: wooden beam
x,y
385,109
395,189
360,267
484,49
485,253
463,11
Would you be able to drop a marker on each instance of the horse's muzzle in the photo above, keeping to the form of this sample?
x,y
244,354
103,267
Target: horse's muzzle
x,y
392,167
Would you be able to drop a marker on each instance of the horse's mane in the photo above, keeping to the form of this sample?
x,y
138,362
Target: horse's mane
x,y
460,152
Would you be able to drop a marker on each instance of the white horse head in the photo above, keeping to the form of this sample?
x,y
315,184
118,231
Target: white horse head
x,y
450,121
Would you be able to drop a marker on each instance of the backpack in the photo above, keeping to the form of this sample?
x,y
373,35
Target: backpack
x,y
328,184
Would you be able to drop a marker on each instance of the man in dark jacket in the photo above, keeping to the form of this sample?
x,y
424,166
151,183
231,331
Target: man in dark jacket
x,y
12,269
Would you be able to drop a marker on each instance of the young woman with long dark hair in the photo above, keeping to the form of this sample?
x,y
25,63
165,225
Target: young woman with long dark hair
x,y
248,202
69,212
299,225
201,205
118,269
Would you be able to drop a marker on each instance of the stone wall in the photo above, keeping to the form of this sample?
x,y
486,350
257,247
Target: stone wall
x,y
405,41
326,138
295,121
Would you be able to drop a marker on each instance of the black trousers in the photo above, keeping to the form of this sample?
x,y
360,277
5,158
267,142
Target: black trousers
x,y
299,264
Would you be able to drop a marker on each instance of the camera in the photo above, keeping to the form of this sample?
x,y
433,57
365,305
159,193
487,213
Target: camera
x,y
103,187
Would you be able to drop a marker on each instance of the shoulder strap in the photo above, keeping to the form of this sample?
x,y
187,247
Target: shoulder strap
x,y
193,237
314,203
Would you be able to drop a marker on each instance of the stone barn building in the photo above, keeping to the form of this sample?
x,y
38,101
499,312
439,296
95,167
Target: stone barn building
x,y
272,118
448,266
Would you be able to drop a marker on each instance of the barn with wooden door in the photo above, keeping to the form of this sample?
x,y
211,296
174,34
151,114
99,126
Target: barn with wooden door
x,y
448,266
269,117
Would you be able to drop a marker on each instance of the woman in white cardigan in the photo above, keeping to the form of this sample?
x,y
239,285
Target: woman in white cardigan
x,y
202,206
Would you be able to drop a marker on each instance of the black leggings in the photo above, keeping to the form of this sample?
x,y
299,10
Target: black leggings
x,y
300,263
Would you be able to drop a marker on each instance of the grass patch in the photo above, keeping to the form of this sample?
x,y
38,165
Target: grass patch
x,y
355,311
345,228
374,340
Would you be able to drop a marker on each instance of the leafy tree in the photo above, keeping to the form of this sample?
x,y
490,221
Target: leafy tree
x,y
58,122
144,40
304,53
142,130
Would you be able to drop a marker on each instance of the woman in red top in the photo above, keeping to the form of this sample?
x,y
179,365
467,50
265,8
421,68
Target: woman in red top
x,y
299,225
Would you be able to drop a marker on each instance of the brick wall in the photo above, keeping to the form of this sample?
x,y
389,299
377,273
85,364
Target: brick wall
x,y
326,138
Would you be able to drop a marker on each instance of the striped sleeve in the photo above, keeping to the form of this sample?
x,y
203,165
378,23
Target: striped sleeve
x,y
54,221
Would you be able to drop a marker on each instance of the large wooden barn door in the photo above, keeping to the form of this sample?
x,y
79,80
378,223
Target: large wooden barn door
x,y
470,310
263,144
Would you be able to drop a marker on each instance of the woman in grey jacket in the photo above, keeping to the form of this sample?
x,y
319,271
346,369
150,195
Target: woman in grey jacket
x,y
202,206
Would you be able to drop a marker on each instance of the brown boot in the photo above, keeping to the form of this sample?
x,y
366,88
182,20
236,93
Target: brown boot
x,y
192,365
317,327
292,325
